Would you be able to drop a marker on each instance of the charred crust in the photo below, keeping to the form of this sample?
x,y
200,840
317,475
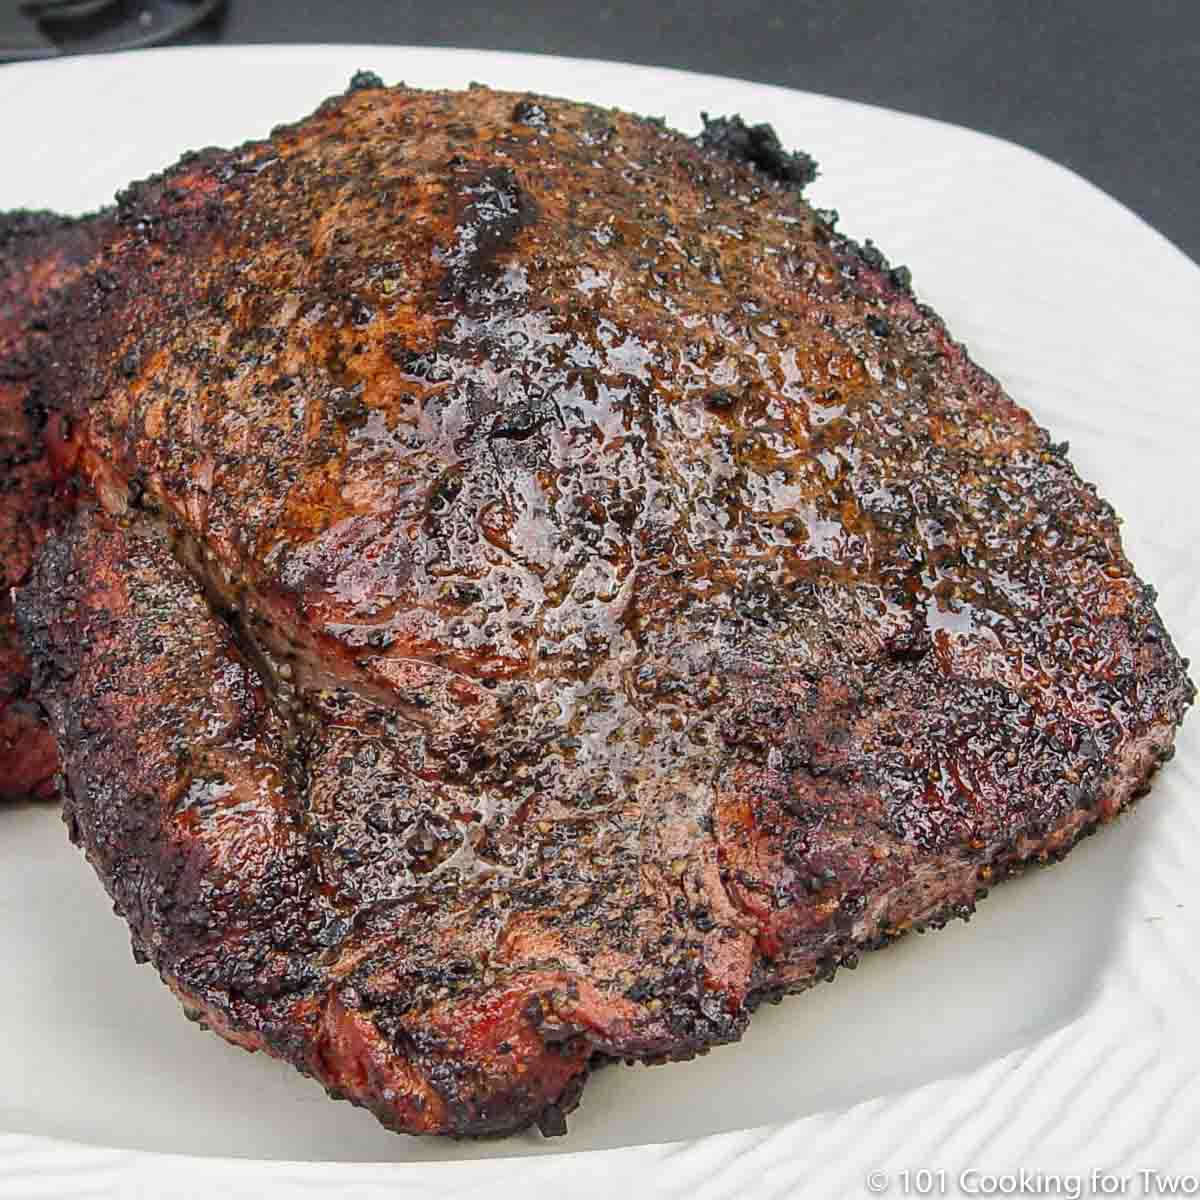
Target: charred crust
x,y
760,147
364,81
529,112
493,208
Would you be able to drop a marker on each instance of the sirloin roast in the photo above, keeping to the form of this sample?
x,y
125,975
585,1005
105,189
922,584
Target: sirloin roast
x,y
517,587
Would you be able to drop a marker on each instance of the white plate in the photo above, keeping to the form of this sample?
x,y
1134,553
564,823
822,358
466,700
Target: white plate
x,y
1055,1033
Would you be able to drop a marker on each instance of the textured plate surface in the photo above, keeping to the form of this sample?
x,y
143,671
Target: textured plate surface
x,y
1054,1033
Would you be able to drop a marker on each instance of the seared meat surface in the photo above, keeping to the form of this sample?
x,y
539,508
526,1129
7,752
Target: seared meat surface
x,y
547,591
39,253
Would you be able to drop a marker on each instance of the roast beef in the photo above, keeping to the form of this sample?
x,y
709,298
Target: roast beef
x,y
542,590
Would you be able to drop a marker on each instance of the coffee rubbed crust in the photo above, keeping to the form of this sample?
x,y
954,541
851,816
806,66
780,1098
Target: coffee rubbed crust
x,y
539,591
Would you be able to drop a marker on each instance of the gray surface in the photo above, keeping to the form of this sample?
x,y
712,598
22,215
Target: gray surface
x,y
1109,88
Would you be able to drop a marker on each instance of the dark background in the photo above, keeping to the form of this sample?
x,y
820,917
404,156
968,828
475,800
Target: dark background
x,y
1110,88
